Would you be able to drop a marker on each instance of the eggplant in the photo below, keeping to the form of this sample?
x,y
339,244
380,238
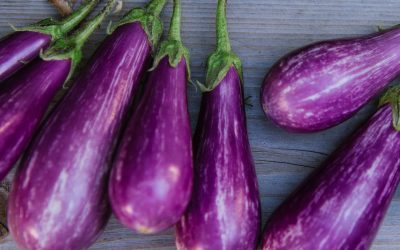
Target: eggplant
x,y
324,84
58,198
152,175
25,97
224,212
25,44
342,204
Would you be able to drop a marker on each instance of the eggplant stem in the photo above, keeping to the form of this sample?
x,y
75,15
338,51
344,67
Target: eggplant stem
x,y
155,7
392,97
76,17
82,34
57,29
70,47
172,47
223,42
175,27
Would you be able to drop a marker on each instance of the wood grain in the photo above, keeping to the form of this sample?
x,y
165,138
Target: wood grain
x,y
261,32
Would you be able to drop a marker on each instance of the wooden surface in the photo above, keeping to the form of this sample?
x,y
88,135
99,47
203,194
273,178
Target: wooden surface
x,y
261,32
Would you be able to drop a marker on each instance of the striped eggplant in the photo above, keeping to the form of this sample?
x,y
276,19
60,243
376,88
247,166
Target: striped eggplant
x,y
25,97
224,212
323,84
342,204
25,44
151,181
58,198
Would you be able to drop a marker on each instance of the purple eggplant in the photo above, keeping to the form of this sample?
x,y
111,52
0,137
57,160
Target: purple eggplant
x,y
342,204
151,182
25,97
58,198
323,84
224,212
19,48
26,43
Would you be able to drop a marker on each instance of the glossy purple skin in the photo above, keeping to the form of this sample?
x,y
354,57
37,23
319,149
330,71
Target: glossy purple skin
x,y
224,212
19,48
24,99
342,204
59,195
151,181
324,84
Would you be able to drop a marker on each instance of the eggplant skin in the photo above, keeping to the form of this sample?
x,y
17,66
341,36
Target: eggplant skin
x,y
324,84
24,99
151,181
224,212
59,195
343,203
19,48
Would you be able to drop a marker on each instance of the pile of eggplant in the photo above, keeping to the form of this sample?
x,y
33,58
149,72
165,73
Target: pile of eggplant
x,y
341,205
137,159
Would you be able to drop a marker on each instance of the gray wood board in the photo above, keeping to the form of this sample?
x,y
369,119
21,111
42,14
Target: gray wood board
x,y
261,32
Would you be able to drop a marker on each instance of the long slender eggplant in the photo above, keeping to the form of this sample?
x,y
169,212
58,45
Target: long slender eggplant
x,y
58,198
342,204
224,212
151,182
25,44
324,84
25,97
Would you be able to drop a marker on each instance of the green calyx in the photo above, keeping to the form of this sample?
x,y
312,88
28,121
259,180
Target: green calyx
x,y
71,47
392,97
63,49
57,29
148,18
175,51
219,62
173,47
218,65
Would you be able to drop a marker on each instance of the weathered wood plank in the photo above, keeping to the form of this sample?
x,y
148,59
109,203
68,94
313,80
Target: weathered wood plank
x,y
261,32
